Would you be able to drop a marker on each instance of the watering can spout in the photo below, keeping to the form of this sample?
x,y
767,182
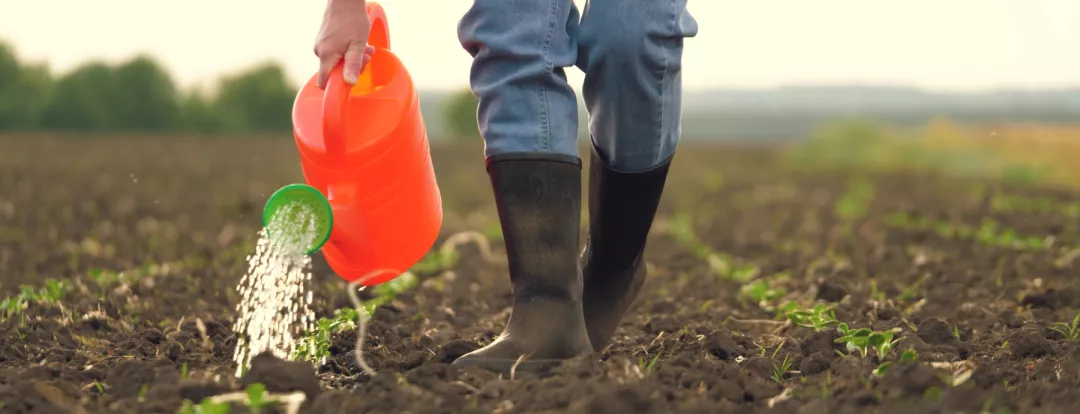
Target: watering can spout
x,y
299,211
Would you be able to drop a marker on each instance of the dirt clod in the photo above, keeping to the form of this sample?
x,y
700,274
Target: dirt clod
x,y
1046,299
821,342
280,376
723,346
831,291
1028,343
935,331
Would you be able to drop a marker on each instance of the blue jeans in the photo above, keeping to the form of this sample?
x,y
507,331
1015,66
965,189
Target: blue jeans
x,y
629,50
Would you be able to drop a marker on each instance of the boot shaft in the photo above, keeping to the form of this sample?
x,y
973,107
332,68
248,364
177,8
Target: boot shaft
x,y
538,198
622,206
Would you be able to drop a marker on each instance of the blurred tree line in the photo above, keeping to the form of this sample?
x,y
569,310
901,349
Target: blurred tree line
x,y
139,95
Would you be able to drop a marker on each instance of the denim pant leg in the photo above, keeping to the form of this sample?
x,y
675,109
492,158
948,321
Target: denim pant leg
x,y
631,53
520,49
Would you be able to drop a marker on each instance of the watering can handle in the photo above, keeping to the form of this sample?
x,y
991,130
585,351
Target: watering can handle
x,y
337,94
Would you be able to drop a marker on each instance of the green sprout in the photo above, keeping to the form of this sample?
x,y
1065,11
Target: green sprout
x,y
256,394
781,369
863,340
854,340
988,232
650,365
314,345
387,292
882,343
761,293
207,406
53,292
104,278
1069,331
876,293
819,318
908,356
854,203
721,264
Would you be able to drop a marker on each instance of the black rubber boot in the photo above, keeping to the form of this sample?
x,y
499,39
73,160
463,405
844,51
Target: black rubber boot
x,y
538,197
622,206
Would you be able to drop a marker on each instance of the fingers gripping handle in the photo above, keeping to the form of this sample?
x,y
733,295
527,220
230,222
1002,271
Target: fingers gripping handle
x,y
337,94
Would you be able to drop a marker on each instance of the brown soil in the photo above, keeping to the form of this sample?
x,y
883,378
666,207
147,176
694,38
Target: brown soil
x,y
693,343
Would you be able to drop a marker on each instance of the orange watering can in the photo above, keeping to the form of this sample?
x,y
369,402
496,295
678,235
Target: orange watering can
x,y
366,163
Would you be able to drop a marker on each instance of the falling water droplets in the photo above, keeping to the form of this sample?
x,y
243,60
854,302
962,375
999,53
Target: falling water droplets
x,y
275,304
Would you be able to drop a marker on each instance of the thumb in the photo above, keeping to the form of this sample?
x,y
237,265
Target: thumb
x,y
355,60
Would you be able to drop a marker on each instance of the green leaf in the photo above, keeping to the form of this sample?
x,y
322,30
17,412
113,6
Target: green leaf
x,y
255,393
908,356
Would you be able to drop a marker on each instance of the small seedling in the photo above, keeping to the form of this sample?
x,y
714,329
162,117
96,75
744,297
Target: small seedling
x,y
1069,331
912,292
854,339
907,357
761,293
207,406
819,318
742,274
256,397
863,340
683,232
650,365
781,369
880,370
825,385
387,292
988,232
882,343
104,279
854,203
721,264
314,346
761,348
875,293
53,292
933,394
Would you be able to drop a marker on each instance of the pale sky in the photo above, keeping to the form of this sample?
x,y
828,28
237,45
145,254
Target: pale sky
x,y
938,44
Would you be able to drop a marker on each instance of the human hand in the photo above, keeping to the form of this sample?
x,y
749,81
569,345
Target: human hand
x,y
344,33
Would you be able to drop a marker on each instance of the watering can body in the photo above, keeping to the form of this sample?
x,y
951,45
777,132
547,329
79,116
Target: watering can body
x,y
365,149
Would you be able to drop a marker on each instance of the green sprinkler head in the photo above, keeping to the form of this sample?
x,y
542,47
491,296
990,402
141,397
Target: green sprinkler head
x,y
300,194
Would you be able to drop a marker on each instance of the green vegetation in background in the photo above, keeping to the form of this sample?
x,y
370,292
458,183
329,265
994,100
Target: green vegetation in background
x,y
459,111
138,96
868,145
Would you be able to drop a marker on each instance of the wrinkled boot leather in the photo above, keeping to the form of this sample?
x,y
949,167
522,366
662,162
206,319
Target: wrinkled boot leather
x,y
622,206
538,197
